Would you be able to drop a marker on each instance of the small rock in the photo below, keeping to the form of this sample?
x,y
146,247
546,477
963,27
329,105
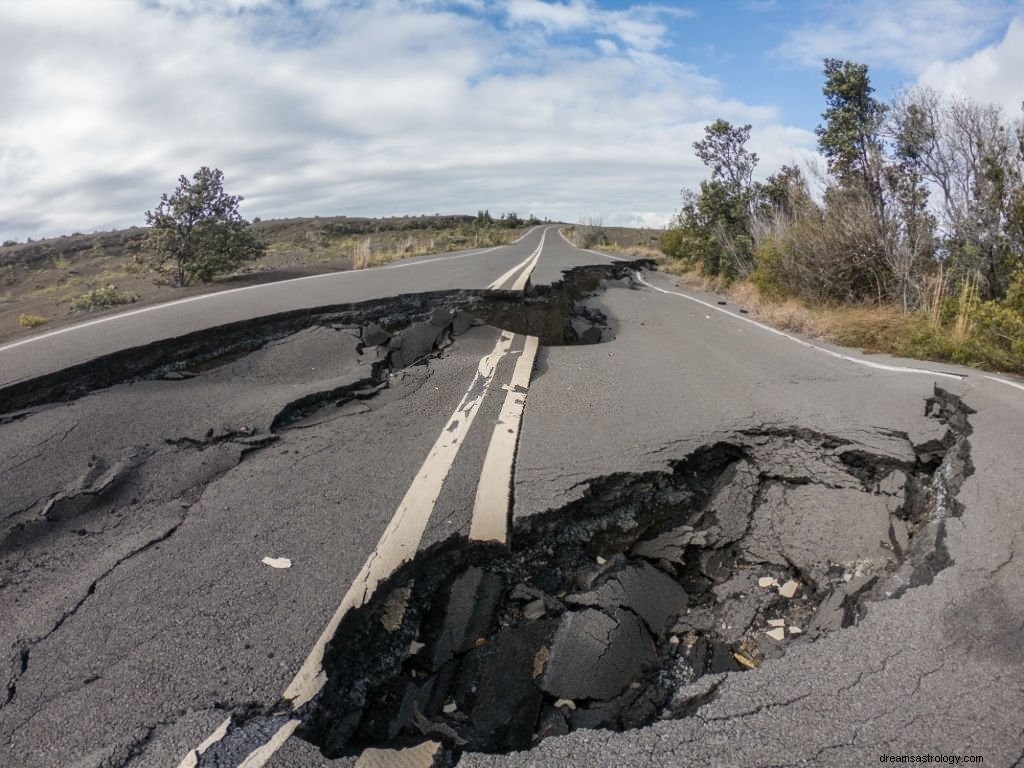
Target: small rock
x,y
777,634
277,562
374,335
776,622
540,661
441,317
567,703
450,708
788,590
766,582
600,560
534,610
674,640
795,631
415,647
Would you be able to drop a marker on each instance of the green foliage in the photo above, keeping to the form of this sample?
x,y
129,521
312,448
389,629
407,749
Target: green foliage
x,y
101,298
713,227
30,321
770,275
723,150
850,138
200,229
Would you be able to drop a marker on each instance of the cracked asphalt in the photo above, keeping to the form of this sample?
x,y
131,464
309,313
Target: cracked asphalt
x,y
137,613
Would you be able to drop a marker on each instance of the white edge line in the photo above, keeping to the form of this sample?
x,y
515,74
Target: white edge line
x,y
596,253
1007,382
776,331
177,302
491,506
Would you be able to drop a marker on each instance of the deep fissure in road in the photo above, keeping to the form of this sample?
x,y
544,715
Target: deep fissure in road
x,y
607,613
154,480
557,314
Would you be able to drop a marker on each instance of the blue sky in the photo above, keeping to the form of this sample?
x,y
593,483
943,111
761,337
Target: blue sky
x,y
561,108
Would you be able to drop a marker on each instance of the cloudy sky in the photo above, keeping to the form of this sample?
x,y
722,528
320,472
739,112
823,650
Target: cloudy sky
x,y
567,109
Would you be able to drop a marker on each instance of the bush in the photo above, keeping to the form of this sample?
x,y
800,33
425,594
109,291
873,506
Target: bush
x,y
101,298
31,321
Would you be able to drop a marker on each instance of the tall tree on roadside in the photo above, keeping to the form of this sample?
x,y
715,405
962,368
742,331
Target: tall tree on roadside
x,y
724,150
713,226
200,229
850,139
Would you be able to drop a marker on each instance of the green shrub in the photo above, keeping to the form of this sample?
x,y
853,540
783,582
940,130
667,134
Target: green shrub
x,y
101,298
768,274
31,321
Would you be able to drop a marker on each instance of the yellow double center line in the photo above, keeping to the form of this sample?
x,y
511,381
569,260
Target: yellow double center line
x,y
400,540
526,265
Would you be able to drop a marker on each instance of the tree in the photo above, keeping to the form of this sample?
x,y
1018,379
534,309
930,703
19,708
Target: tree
x,y
850,139
713,226
972,156
723,150
199,228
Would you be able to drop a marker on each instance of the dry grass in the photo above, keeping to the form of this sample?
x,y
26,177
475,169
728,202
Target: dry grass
x,y
871,328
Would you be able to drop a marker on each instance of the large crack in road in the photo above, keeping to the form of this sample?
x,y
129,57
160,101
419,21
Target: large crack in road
x,y
78,501
628,605
606,613
621,608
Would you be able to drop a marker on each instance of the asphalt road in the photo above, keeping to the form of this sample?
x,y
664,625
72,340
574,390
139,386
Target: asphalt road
x,y
138,611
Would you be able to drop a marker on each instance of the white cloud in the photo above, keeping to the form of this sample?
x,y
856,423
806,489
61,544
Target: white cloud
x,y
991,75
552,16
907,35
368,108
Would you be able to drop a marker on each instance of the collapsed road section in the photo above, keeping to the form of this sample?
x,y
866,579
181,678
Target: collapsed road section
x,y
102,465
608,613
556,314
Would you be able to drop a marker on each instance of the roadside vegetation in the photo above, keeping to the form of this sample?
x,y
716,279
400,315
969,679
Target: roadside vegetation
x,y
910,242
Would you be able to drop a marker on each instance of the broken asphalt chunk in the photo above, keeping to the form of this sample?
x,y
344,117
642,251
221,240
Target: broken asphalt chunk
x,y
472,604
497,689
597,656
373,335
650,594
426,755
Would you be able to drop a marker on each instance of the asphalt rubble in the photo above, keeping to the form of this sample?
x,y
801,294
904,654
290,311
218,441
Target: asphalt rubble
x,y
631,604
